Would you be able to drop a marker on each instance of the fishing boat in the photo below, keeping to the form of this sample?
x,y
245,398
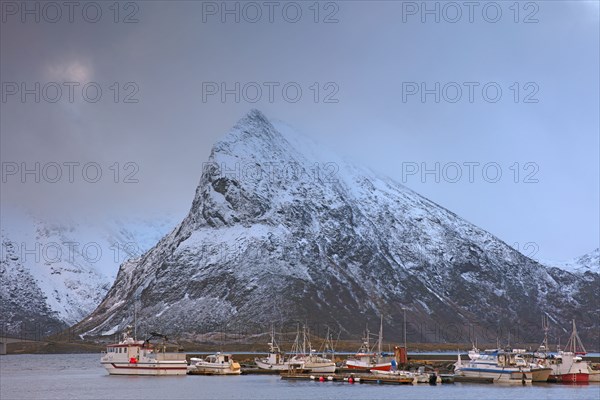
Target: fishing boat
x,y
565,366
140,357
275,360
568,366
498,365
214,364
312,361
366,359
419,376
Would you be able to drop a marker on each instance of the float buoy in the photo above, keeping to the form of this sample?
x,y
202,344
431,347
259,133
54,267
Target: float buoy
x,y
321,379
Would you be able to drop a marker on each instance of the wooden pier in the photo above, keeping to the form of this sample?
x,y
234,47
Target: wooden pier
x,y
349,378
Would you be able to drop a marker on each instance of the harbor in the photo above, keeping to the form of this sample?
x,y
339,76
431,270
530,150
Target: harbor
x,y
80,376
369,364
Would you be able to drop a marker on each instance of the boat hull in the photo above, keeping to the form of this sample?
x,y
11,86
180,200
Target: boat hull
x,y
540,374
276,367
500,376
357,365
322,368
570,378
146,369
215,369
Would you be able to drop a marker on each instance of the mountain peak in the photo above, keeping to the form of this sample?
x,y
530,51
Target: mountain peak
x,y
253,124
280,233
252,136
255,115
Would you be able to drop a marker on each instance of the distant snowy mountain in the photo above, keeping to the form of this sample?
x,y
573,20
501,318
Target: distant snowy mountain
x,y
587,263
54,274
282,231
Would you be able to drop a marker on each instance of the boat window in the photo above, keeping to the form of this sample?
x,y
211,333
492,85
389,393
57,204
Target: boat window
x,y
226,358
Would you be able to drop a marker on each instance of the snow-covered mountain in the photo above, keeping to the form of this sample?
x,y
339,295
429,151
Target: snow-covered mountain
x,y
54,274
589,262
282,231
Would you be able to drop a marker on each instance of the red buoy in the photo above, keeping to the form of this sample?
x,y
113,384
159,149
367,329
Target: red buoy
x,y
321,379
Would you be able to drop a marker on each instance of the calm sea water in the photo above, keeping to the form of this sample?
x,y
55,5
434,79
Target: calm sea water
x,y
80,376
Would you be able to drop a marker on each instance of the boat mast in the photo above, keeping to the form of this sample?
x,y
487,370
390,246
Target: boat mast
x,y
404,309
304,340
575,342
380,339
273,345
545,327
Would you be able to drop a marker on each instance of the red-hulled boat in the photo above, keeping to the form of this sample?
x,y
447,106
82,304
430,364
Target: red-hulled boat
x,y
368,360
568,366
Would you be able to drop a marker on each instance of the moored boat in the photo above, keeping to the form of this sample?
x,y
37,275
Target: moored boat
x,y
568,366
275,360
214,364
419,376
497,365
311,361
140,357
366,359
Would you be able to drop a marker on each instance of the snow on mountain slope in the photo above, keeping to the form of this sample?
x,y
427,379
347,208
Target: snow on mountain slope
x,y
282,230
54,274
588,262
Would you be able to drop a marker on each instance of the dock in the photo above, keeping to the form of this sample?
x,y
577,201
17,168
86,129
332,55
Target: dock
x,y
351,378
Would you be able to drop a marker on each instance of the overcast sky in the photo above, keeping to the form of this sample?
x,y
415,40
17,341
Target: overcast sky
x,y
362,69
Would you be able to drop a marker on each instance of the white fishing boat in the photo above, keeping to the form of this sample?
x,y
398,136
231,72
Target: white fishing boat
x,y
275,360
311,361
214,364
140,357
419,376
500,366
318,364
366,358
